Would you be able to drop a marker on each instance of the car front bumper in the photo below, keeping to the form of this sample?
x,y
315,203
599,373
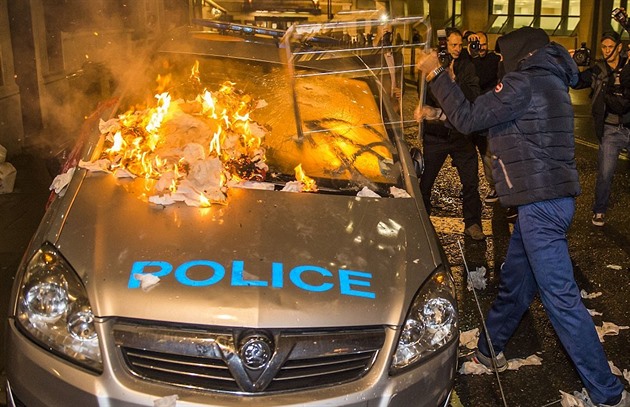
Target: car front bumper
x,y
36,378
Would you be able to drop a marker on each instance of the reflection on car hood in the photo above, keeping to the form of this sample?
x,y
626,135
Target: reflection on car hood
x,y
266,259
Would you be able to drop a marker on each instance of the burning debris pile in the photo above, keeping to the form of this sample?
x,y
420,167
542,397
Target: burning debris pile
x,y
193,149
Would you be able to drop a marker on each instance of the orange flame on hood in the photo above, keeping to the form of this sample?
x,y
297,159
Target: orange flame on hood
x,y
309,183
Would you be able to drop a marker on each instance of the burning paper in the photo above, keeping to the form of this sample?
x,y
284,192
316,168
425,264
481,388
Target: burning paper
x,y
191,148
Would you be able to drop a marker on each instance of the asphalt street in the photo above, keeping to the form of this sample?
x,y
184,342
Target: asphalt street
x,y
601,258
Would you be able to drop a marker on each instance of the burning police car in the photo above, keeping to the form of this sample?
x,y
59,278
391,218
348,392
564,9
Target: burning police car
x,y
251,233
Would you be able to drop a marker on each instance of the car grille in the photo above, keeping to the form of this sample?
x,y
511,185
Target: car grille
x,y
215,360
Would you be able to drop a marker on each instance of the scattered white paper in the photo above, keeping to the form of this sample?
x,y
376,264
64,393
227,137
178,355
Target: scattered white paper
x,y
517,363
469,338
614,369
61,181
253,185
586,295
626,375
593,312
101,165
470,367
398,193
367,193
147,281
168,401
293,186
608,328
614,267
477,279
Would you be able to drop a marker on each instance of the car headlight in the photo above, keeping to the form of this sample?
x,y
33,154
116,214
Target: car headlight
x,y
431,322
53,310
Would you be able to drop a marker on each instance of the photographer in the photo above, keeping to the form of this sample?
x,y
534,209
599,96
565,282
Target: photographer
x,y
529,117
440,139
487,68
609,79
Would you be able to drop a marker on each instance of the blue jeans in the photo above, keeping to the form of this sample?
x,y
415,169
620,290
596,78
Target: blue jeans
x,y
538,261
614,139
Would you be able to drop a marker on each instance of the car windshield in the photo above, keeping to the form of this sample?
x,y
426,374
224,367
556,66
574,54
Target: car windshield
x,y
305,107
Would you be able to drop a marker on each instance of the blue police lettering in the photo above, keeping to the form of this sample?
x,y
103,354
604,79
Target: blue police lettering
x,y
306,277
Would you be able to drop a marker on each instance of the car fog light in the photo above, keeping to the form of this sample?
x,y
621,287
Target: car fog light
x,y
47,301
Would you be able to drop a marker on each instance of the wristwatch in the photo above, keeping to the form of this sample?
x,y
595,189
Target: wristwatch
x,y
434,73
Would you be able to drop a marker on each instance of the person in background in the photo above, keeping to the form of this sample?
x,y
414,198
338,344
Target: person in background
x,y
440,140
529,117
609,79
487,68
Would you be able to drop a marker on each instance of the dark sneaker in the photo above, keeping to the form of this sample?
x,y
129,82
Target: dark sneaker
x,y
598,219
500,361
511,213
475,232
624,402
491,197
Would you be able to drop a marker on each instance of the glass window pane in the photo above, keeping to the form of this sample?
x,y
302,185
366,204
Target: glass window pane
x,y
522,21
572,23
551,8
549,23
497,24
574,7
524,7
500,6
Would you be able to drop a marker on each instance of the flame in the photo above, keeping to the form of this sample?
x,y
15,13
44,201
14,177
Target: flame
x,y
141,143
309,183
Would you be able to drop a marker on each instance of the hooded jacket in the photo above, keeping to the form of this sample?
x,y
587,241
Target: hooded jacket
x,y
529,117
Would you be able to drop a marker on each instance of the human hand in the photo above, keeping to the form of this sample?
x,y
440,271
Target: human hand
x,y
426,63
426,113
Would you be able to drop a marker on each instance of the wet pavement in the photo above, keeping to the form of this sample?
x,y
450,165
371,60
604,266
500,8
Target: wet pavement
x,y
593,250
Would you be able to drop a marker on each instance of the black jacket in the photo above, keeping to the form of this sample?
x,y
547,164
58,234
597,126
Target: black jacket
x,y
466,78
599,78
530,120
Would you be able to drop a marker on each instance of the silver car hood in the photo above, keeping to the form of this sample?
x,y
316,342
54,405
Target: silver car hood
x,y
265,259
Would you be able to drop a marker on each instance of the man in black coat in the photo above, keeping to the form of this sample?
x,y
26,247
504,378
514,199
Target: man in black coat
x,y
440,140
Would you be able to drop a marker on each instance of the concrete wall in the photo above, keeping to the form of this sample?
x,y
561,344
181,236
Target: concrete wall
x,y
11,128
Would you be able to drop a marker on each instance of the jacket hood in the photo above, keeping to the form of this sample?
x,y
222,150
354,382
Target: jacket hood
x,y
556,59
519,44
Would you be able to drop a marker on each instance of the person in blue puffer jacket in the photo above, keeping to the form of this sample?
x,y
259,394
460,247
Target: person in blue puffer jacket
x,y
529,117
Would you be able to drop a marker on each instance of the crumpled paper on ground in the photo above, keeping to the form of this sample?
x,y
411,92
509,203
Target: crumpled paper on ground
x,y
614,267
469,338
586,295
168,401
513,364
477,279
608,328
593,312
147,281
61,181
626,375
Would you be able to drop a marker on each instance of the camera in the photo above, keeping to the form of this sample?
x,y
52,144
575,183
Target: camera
x,y
474,46
582,56
620,16
443,55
